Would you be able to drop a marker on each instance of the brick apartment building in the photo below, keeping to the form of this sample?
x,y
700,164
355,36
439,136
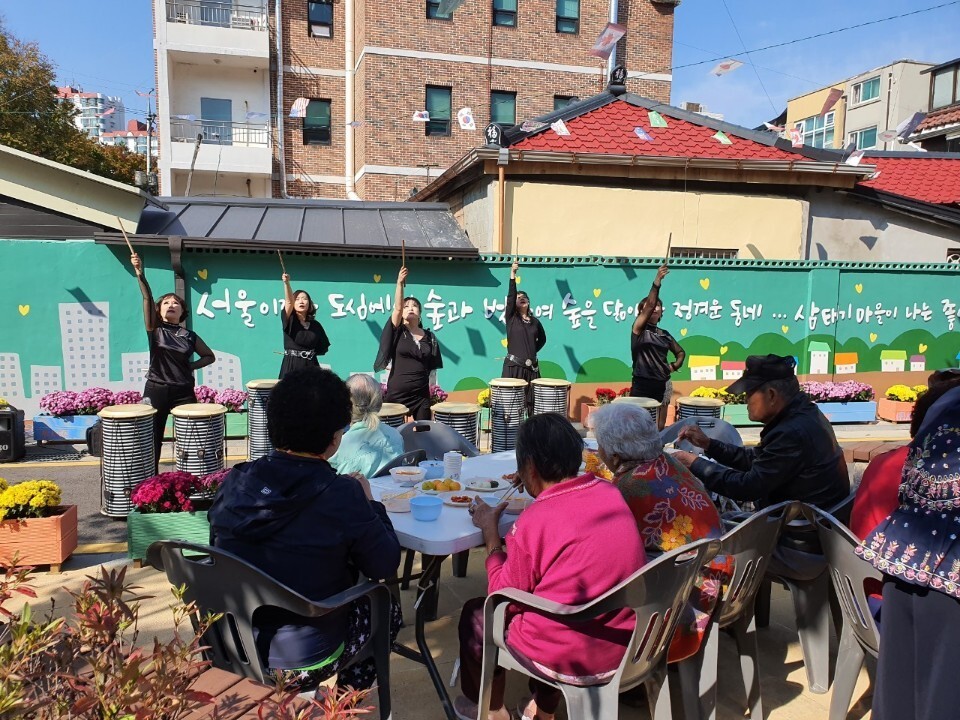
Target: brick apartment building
x,y
513,59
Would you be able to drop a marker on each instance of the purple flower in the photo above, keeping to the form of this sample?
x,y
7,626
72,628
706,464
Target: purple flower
x,y
437,395
127,397
848,391
205,394
92,400
233,400
60,403
166,492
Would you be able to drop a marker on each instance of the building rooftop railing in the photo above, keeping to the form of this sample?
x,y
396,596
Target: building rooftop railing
x,y
218,14
220,132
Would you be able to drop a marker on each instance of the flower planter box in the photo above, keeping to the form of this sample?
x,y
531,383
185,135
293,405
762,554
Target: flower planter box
x,y
736,415
143,529
40,541
849,412
68,428
895,410
585,409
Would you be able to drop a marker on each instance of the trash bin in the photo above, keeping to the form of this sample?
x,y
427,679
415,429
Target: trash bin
x,y
12,443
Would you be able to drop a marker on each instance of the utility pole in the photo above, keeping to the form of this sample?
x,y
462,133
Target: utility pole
x,y
150,118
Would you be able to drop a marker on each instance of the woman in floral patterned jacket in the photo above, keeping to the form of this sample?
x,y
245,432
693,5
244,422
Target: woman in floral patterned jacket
x,y
671,507
918,551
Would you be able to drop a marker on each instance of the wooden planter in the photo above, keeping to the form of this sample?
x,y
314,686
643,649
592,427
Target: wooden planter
x,y
68,428
40,541
895,410
849,412
143,529
736,415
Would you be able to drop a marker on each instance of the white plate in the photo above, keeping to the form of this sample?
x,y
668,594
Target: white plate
x,y
451,493
472,487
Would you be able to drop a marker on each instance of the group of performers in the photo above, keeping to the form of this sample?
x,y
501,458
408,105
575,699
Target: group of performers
x,y
410,350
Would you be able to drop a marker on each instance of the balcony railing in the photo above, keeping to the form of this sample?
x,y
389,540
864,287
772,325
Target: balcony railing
x,y
220,132
217,14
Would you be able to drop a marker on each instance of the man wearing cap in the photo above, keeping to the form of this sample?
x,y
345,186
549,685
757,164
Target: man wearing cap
x,y
798,457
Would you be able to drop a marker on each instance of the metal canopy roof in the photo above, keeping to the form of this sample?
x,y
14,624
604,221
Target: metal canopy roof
x,y
320,226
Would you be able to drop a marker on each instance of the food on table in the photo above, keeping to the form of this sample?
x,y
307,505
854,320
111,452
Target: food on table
x,y
485,484
460,499
441,485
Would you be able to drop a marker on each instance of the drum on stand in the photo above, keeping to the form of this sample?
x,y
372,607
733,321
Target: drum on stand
x,y
462,417
649,404
127,458
698,407
198,437
393,414
551,396
258,436
507,408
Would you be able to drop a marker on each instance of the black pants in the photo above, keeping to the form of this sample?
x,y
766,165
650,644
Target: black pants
x,y
648,387
919,654
164,398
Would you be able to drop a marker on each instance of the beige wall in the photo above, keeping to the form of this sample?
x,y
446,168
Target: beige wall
x,y
808,105
568,219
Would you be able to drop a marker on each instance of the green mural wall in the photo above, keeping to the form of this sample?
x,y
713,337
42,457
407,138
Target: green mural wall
x,y
720,311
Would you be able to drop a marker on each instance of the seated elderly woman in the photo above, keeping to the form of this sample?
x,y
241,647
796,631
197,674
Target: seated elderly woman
x,y
670,506
559,549
369,444
291,515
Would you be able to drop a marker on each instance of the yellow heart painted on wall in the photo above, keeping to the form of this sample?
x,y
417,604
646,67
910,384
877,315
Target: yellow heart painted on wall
x,y
873,337
24,309
858,287
519,279
922,348
504,342
202,274
705,283
377,278
683,332
596,292
723,349
785,328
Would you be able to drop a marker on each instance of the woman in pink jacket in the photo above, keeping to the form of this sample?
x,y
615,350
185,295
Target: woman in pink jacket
x,y
578,540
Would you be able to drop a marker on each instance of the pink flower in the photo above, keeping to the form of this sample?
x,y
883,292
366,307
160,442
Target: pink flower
x,y
166,492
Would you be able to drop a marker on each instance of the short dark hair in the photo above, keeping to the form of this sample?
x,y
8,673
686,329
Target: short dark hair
x,y
552,444
940,384
306,409
185,311
643,303
311,309
411,297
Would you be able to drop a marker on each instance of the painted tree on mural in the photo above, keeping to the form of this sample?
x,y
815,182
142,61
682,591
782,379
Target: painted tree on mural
x,y
34,121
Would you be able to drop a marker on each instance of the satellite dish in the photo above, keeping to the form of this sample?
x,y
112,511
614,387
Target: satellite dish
x,y
887,136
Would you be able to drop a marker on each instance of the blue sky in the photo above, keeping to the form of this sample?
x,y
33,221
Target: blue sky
x,y
107,46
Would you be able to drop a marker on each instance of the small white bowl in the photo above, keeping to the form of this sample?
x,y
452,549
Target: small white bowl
x,y
407,476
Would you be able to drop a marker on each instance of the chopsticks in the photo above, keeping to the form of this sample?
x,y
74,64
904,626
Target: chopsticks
x,y
508,493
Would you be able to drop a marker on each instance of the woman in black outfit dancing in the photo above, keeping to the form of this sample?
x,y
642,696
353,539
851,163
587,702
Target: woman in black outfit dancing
x,y
170,380
525,337
649,345
303,337
412,352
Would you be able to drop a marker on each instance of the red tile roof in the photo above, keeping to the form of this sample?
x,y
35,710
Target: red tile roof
x,y
938,118
608,130
932,180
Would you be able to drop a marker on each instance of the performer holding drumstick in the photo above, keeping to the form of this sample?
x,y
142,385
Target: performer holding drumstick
x,y
170,380
525,337
649,345
303,336
411,351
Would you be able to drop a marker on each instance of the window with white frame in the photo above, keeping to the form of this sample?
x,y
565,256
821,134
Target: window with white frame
x,y
320,18
866,90
704,253
864,139
818,130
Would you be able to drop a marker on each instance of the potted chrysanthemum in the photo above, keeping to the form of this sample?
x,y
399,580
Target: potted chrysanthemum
x,y
34,526
168,507
843,402
67,414
897,403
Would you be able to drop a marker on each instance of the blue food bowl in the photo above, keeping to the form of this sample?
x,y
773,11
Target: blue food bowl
x,y
426,508
432,468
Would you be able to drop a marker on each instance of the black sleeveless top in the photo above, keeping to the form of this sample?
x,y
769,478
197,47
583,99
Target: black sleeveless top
x,y
171,348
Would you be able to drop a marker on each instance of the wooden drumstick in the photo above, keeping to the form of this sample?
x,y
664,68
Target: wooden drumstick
x,y
403,252
666,259
282,266
119,222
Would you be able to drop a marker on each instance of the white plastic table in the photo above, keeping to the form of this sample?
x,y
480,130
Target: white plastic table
x,y
449,534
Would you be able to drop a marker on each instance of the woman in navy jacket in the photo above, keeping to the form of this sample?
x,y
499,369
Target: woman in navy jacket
x,y
292,516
